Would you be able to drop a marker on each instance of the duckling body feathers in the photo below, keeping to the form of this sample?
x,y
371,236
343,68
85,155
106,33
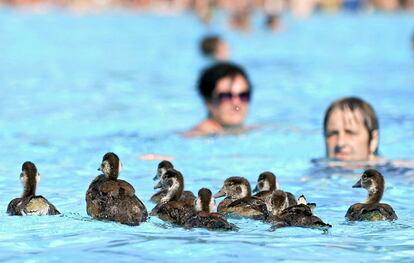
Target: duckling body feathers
x,y
370,212
32,205
248,206
114,200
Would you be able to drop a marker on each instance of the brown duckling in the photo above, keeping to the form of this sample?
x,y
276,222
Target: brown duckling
x,y
172,208
266,184
300,215
163,167
109,198
239,200
205,216
30,203
371,209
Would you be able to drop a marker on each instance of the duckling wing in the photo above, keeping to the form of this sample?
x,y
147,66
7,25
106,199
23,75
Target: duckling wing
x,y
38,205
175,212
209,221
126,188
354,212
127,210
188,195
250,207
263,195
388,212
156,198
301,215
14,207
370,212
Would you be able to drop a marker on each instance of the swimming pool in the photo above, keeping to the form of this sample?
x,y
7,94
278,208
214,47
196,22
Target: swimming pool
x,y
76,86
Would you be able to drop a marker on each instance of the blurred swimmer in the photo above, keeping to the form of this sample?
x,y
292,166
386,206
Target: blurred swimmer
x,y
226,92
214,47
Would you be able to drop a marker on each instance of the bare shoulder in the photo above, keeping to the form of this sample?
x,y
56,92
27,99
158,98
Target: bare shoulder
x,y
206,127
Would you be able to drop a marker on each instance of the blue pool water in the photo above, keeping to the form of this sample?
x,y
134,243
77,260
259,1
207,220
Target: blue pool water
x,y
76,86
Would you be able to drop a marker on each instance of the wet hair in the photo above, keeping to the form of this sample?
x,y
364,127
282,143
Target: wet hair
x,y
209,45
211,75
355,104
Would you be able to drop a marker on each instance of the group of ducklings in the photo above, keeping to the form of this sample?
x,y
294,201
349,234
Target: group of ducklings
x,y
109,198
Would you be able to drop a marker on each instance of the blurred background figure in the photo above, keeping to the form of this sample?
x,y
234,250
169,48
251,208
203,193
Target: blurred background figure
x,y
204,10
302,8
354,5
408,5
240,15
386,5
412,42
274,23
215,48
330,5
272,11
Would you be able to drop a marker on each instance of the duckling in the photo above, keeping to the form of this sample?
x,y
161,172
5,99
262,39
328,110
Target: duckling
x,y
239,200
266,184
171,207
371,209
30,203
205,215
163,167
300,215
109,198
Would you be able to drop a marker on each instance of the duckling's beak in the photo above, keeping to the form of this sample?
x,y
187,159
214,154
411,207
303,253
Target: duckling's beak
x,y
255,190
357,184
99,169
159,185
155,177
220,193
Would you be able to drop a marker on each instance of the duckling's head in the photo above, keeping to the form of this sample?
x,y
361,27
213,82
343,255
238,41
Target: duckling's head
x,y
205,201
235,188
173,181
29,178
163,166
111,166
373,181
266,182
277,202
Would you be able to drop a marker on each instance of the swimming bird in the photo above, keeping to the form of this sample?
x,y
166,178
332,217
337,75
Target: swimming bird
x,y
163,167
239,200
205,216
109,198
371,209
266,184
30,203
300,215
171,207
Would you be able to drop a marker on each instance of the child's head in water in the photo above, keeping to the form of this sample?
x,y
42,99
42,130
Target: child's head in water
x,y
214,47
351,130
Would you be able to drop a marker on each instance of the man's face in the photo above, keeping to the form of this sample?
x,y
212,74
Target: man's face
x,y
347,138
230,101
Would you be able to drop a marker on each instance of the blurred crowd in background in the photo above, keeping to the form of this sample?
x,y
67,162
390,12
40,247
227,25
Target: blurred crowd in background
x,y
239,11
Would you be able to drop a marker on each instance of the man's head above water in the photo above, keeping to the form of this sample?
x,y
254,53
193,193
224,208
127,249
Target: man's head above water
x,y
351,130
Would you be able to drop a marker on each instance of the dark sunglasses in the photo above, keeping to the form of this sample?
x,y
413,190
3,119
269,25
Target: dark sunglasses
x,y
228,96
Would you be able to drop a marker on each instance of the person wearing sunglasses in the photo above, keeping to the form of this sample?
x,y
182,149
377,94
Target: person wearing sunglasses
x,y
226,91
